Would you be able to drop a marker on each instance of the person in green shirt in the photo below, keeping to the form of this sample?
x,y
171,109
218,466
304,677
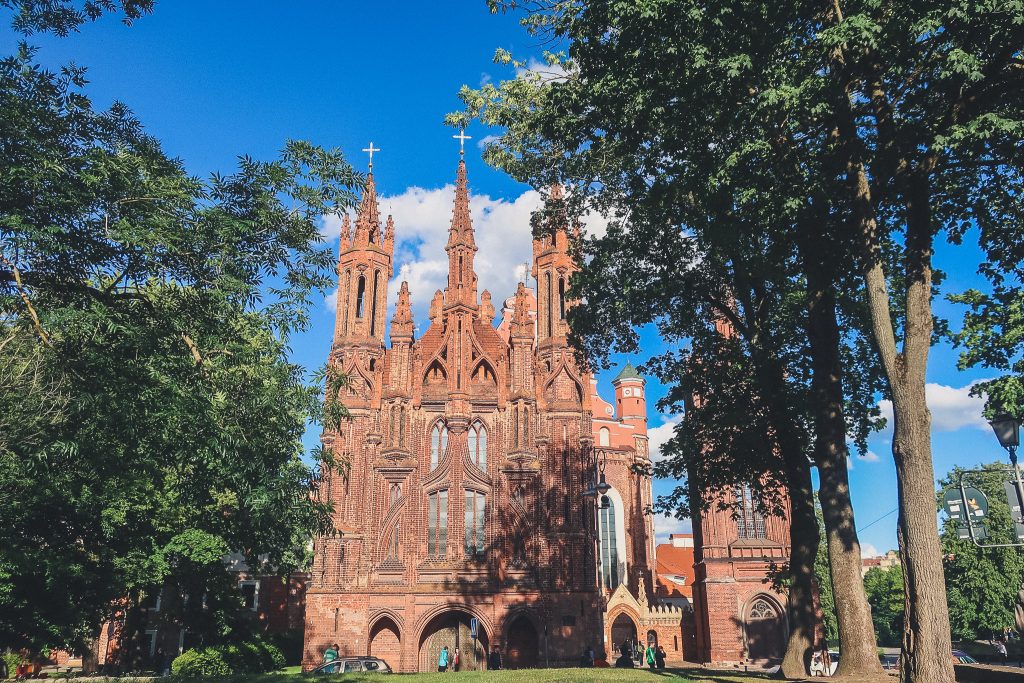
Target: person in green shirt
x,y
650,656
331,653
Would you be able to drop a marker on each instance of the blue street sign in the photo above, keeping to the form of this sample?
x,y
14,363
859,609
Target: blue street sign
x,y
474,625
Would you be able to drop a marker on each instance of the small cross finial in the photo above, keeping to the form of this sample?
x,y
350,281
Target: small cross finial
x,y
462,137
370,150
526,273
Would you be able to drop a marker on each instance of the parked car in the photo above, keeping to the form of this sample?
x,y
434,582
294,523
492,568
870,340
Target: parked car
x,y
818,667
961,657
351,665
890,662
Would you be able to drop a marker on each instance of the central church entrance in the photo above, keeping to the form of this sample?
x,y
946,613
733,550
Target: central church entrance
x,y
522,648
623,634
451,629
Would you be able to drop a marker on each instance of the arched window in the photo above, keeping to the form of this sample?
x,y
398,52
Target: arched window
x,y
437,523
438,443
478,445
346,293
604,437
476,510
515,426
401,426
749,521
395,493
360,295
561,298
547,294
373,303
609,543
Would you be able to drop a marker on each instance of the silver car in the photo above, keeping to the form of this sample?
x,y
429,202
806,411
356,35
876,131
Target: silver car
x,y
351,665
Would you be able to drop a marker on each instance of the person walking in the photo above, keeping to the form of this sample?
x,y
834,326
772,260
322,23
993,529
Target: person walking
x,y
456,661
659,657
494,660
650,656
331,653
1001,655
442,660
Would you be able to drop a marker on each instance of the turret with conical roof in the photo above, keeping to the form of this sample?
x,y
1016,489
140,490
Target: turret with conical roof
x,y
630,402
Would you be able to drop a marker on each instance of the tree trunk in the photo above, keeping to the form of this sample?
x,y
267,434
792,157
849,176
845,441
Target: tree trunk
x,y
926,633
803,524
853,613
803,531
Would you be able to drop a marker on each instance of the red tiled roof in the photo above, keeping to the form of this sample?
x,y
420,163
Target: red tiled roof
x,y
674,561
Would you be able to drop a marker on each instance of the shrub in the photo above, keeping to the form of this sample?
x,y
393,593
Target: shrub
x,y
200,664
12,659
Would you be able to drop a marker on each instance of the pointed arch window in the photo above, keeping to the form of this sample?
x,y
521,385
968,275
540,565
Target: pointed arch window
x,y
547,294
476,515
438,443
437,523
561,298
604,437
395,493
373,303
346,293
749,521
478,445
609,543
360,295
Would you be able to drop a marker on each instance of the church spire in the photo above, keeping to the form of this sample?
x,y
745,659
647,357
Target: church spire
x,y
368,216
461,247
401,323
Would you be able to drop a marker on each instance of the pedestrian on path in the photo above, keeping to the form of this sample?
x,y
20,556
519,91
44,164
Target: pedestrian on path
x,y
442,660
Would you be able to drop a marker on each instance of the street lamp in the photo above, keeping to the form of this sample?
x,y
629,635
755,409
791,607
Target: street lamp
x,y
1007,429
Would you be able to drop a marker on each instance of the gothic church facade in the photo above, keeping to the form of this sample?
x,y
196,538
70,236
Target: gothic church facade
x,y
461,511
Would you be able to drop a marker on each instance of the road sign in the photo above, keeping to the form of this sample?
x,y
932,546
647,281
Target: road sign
x,y
970,504
1013,498
474,625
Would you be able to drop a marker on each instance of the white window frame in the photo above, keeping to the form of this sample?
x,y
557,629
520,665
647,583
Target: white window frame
x,y
152,633
255,594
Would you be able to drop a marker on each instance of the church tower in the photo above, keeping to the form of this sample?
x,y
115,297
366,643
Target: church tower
x,y
552,268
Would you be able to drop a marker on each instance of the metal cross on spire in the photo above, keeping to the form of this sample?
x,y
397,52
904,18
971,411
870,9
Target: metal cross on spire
x,y
462,137
526,273
370,150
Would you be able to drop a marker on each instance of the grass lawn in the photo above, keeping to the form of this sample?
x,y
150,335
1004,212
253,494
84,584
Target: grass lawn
x,y
523,676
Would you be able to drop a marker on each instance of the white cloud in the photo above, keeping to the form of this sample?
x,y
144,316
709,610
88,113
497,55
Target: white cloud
x,y
869,456
486,140
422,219
331,301
547,72
665,525
485,78
952,408
868,550
660,435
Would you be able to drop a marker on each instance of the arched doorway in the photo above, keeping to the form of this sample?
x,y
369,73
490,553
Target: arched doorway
x,y
652,638
623,634
764,630
522,646
386,642
452,629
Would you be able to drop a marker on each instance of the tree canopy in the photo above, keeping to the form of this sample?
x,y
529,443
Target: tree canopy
x,y
153,420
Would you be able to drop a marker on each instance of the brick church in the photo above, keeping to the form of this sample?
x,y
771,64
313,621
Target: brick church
x,y
489,498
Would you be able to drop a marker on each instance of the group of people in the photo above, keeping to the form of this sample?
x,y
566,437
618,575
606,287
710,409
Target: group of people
x,y
653,657
447,660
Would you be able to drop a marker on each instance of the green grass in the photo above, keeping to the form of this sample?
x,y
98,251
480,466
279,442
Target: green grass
x,y
524,676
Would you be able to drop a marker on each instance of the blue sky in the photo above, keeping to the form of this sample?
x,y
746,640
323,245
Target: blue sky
x,y
216,80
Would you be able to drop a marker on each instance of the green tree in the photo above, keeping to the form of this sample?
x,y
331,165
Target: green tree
x,y
899,123
147,316
826,596
885,593
704,232
982,583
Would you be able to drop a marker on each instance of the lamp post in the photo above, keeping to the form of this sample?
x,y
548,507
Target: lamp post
x,y
598,490
1007,430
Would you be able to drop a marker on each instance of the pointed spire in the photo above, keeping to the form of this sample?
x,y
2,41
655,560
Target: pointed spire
x,y
522,326
389,234
346,232
401,323
461,231
436,305
368,216
486,308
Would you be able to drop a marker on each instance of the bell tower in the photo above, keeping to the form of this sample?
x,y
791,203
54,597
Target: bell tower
x,y
365,266
552,267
